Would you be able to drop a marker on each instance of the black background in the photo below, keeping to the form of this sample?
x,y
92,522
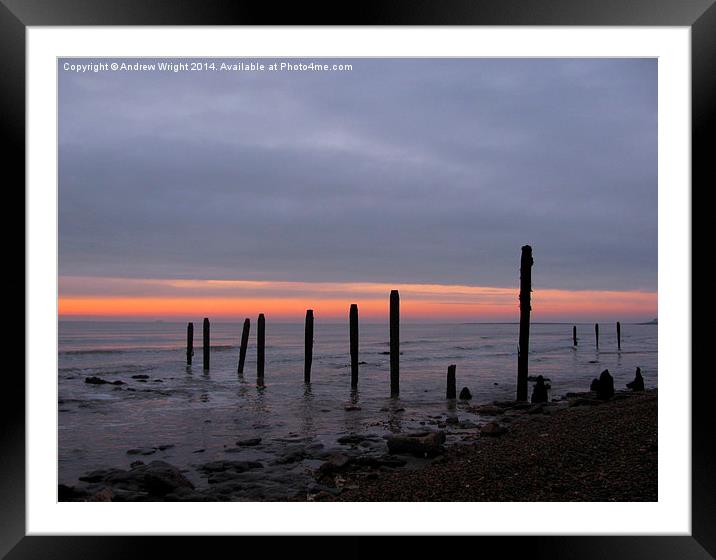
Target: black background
x,y
16,15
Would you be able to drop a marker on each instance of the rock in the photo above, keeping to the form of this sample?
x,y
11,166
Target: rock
x,y
583,401
98,475
539,392
492,429
452,420
488,410
465,394
233,466
638,383
536,377
336,462
70,493
142,451
165,446
594,386
353,439
134,464
104,495
92,380
157,479
352,407
248,442
536,409
140,376
466,424
605,391
420,445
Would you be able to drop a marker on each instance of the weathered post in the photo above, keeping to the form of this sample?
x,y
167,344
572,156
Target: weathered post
x,y
353,320
189,343
260,348
394,343
451,385
526,263
244,344
574,335
619,335
596,333
206,343
308,360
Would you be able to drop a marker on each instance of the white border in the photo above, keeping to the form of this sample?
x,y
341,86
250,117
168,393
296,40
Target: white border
x,y
670,515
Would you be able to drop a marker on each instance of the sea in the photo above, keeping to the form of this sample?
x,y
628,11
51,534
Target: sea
x,y
185,415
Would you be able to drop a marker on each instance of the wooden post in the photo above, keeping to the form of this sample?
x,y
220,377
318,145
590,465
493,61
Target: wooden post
x,y
353,320
260,347
574,335
451,386
619,335
596,333
526,263
206,347
308,339
394,343
244,344
189,343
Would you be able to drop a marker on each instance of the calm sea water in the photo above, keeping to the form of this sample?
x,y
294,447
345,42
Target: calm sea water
x,y
200,413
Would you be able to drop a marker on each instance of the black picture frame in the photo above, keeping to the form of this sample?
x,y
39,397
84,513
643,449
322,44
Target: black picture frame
x,y
699,15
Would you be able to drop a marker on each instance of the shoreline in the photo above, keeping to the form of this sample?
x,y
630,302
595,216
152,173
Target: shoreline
x,y
575,448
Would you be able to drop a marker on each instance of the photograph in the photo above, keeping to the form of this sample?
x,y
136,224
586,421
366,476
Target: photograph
x,y
357,279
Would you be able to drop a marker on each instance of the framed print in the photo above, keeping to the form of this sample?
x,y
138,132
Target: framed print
x,y
422,272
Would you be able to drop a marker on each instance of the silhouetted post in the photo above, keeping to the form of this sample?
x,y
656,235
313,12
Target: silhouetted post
x,y
619,335
451,386
260,347
596,333
309,347
353,320
525,296
244,344
394,343
206,343
189,343
574,335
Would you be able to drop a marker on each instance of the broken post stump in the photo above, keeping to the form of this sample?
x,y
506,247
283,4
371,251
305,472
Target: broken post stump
x,y
526,263
619,335
451,385
189,343
574,335
244,344
206,343
596,333
260,347
353,327
308,342
394,343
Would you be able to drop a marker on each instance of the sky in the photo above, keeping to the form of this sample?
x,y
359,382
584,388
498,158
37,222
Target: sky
x,y
224,193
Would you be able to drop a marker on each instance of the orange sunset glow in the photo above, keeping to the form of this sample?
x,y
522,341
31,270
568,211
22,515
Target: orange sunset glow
x,y
158,299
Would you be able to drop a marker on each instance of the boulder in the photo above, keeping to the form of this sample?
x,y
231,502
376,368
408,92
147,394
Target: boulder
x,y
92,380
423,444
539,392
465,394
638,383
605,391
251,442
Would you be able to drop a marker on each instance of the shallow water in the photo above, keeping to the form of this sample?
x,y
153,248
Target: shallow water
x,y
201,414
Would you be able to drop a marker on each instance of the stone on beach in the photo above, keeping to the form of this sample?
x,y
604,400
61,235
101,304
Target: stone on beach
x,y
539,392
638,383
421,444
492,429
605,390
465,394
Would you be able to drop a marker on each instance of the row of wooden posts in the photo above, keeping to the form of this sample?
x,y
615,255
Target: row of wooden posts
x,y
308,342
596,335
522,353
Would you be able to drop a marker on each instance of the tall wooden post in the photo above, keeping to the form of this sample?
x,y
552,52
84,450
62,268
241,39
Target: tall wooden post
x,y
526,263
260,347
596,333
353,324
574,335
308,340
619,335
244,344
206,347
189,343
451,384
394,343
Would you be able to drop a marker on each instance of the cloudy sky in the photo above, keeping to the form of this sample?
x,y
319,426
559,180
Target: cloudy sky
x,y
232,192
